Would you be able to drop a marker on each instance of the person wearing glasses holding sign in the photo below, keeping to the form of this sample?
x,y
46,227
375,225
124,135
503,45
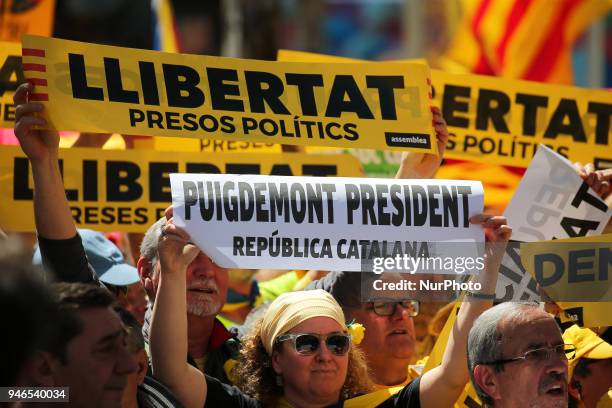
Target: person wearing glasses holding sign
x,y
390,339
517,357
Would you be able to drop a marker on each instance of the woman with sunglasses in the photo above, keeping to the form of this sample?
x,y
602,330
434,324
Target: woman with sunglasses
x,y
300,354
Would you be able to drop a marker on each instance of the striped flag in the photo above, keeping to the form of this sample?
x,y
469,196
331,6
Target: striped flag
x,y
526,39
522,39
166,39
164,27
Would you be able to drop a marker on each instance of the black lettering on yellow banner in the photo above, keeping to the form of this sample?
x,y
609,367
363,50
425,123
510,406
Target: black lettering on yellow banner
x,y
232,146
576,275
11,75
571,270
97,88
502,121
181,144
586,314
119,191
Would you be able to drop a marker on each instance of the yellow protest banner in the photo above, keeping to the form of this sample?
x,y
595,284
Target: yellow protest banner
x,y
11,76
575,274
468,398
574,269
213,146
18,17
498,182
587,314
501,121
437,352
102,89
118,190
231,146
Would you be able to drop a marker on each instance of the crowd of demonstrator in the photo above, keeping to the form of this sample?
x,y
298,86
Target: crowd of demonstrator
x,y
208,336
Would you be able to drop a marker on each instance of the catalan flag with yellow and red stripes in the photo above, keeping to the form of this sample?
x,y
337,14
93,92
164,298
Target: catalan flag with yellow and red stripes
x,y
525,39
521,39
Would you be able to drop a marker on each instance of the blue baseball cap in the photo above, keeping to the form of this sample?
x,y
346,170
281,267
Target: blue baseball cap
x,y
105,258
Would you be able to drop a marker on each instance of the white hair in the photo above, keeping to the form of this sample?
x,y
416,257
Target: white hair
x,y
148,246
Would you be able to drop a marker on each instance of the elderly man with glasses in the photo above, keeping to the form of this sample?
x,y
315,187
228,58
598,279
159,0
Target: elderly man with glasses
x,y
517,357
387,316
389,342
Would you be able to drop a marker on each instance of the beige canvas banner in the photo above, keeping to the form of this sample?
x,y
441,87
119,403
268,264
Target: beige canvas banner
x,y
102,89
118,190
501,121
11,76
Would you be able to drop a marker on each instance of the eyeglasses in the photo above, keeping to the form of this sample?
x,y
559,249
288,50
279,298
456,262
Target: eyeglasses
x,y
561,351
307,344
386,308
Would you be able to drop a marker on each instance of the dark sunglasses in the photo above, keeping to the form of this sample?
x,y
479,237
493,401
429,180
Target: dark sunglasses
x,y
387,308
308,343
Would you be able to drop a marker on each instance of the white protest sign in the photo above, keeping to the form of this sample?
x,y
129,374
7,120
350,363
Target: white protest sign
x,y
551,202
325,223
514,283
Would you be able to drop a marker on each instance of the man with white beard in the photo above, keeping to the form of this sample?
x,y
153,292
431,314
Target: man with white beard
x,y
210,345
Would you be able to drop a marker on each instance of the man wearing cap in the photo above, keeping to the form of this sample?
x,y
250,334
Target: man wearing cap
x,y
517,357
590,371
104,258
106,263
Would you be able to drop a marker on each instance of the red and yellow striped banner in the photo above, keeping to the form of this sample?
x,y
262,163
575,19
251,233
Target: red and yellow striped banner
x,y
525,39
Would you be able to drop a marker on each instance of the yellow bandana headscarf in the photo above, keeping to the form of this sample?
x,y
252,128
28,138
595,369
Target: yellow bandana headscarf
x,y
290,309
